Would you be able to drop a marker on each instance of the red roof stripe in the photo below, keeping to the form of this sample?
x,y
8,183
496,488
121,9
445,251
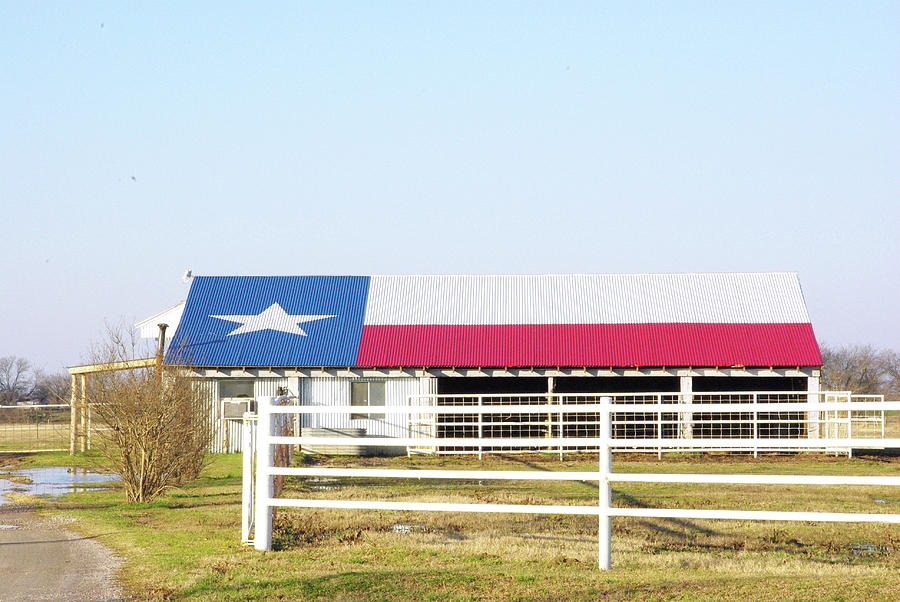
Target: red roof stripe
x,y
669,344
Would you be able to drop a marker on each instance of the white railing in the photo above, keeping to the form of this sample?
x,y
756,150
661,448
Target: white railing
x,y
665,420
264,501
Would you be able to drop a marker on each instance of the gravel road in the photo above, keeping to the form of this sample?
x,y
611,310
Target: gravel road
x,y
39,560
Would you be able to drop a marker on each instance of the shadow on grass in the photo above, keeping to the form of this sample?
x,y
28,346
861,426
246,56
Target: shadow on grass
x,y
877,454
676,527
379,584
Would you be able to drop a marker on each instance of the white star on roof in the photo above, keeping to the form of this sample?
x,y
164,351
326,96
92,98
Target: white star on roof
x,y
272,318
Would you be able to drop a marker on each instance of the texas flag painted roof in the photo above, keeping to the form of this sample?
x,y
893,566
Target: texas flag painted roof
x,y
709,319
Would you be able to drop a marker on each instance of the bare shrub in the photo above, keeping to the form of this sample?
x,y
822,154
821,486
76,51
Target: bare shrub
x,y
153,423
284,427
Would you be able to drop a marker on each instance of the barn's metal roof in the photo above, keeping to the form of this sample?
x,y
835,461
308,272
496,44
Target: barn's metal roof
x,y
586,299
713,319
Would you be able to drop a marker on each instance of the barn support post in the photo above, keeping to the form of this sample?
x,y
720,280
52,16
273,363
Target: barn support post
x,y
480,427
265,455
813,418
687,418
73,415
604,527
294,389
659,425
755,425
87,430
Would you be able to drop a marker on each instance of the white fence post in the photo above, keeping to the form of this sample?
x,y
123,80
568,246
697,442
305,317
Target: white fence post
x,y
561,430
604,527
480,428
659,425
248,443
265,455
755,426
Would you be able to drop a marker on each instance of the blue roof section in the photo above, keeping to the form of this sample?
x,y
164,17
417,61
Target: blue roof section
x,y
271,321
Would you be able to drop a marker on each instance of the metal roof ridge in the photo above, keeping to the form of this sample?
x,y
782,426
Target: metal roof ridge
x,y
495,275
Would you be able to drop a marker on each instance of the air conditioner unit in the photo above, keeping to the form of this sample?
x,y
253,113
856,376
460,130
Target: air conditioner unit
x,y
235,408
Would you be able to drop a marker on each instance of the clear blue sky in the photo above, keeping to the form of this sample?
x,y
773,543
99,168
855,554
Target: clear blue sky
x,y
139,140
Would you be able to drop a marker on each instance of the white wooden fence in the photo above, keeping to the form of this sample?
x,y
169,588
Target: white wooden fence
x,y
259,501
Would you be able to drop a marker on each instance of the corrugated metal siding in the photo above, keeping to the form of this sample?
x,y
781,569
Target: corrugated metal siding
x,y
149,327
761,298
211,392
268,387
325,392
336,392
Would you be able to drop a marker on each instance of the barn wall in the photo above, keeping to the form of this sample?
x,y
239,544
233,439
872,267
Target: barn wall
x,y
336,392
211,391
226,434
268,387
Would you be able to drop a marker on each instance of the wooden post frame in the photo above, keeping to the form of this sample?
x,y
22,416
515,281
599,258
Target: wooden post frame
x,y
73,414
80,420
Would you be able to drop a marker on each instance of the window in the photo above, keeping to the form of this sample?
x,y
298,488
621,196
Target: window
x,y
231,392
367,393
229,389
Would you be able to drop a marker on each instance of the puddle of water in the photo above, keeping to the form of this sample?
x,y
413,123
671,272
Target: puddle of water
x,y
2,527
408,527
54,481
880,501
870,548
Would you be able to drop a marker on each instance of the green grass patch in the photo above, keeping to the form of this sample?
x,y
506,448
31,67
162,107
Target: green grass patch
x,y
186,544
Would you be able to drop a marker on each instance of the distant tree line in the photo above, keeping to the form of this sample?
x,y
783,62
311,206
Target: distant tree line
x,y
861,369
21,382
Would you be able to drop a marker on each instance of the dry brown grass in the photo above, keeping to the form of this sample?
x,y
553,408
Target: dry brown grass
x,y
185,546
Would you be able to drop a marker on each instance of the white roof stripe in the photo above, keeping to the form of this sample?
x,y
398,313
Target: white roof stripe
x,y
750,298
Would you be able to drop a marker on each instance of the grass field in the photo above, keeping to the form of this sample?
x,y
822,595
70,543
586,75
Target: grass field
x,y
37,436
185,545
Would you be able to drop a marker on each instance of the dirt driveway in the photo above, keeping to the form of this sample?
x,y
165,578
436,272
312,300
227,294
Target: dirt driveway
x,y
39,560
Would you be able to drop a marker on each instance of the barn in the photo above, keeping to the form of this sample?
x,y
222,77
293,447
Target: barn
x,y
371,341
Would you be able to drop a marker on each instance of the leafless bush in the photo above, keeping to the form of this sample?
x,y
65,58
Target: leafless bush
x,y
153,424
284,427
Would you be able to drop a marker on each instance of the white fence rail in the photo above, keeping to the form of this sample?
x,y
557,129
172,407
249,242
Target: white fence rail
x,y
263,500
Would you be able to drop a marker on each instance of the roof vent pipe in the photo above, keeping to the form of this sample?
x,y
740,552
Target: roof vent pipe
x,y
161,347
